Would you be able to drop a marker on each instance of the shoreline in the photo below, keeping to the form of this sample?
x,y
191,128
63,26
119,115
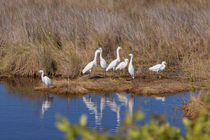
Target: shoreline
x,y
99,84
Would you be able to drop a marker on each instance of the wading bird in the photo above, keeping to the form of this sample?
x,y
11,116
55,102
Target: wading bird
x,y
122,65
130,67
92,64
102,61
158,67
46,80
113,64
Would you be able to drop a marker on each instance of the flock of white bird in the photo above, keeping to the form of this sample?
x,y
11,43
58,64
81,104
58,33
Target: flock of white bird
x,y
114,65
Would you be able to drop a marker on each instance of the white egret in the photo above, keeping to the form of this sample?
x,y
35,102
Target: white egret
x,y
113,64
122,65
92,64
102,61
46,80
130,67
158,67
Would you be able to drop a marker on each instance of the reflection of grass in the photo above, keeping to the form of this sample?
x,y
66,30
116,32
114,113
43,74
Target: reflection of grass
x,y
196,104
60,36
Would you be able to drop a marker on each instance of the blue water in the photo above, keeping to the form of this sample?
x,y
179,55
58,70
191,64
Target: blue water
x,y
32,115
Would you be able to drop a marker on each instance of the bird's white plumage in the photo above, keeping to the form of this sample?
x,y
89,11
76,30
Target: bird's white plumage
x,y
158,67
122,65
114,63
102,61
46,80
92,64
130,67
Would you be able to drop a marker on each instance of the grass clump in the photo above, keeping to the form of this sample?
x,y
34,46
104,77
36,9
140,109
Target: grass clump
x,y
193,107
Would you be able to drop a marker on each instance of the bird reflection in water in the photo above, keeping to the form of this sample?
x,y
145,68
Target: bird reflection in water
x,y
46,104
114,104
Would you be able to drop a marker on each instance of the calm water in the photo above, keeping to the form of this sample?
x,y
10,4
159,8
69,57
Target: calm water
x,y
26,114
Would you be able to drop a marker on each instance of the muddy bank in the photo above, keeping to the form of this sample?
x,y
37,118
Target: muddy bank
x,y
144,87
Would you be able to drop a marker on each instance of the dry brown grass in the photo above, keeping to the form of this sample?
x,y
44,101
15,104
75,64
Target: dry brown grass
x,y
60,36
193,107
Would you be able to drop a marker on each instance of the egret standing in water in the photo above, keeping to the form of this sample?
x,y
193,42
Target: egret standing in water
x,y
130,67
158,67
46,80
92,64
114,63
102,61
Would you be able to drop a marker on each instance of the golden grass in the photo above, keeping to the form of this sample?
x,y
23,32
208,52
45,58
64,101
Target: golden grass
x,y
60,36
193,107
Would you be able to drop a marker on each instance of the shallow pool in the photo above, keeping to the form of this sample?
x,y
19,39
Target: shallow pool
x,y
26,114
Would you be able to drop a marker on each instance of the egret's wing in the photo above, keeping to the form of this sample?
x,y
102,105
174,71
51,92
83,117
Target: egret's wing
x,y
119,66
48,80
155,67
103,63
111,65
88,67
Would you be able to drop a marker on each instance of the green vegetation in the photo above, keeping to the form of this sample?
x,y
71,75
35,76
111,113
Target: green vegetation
x,y
60,36
157,129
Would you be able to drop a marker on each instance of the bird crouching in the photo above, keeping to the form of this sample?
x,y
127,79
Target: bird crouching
x,y
158,67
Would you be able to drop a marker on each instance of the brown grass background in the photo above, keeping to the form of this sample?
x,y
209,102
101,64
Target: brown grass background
x,y
60,36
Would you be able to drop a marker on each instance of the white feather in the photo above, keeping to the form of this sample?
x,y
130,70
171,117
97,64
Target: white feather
x,y
114,63
130,67
122,65
46,80
92,64
102,61
158,67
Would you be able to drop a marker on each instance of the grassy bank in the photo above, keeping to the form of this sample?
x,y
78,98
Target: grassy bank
x,y
143,87
60,36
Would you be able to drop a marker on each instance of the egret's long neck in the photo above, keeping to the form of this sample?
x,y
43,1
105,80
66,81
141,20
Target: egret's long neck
x,y
95,57
101,55
131,60
118,55
42,75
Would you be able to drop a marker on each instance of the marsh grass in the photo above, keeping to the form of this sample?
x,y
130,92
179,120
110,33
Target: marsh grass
x,y
196,103
60,36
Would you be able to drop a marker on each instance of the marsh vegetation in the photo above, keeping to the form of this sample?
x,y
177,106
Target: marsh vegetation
x,y
60,36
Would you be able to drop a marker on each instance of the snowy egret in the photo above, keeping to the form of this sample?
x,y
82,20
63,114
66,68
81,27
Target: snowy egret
x,y
113,64
92,64
158,67
46,80
130,67
122,65
102,61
